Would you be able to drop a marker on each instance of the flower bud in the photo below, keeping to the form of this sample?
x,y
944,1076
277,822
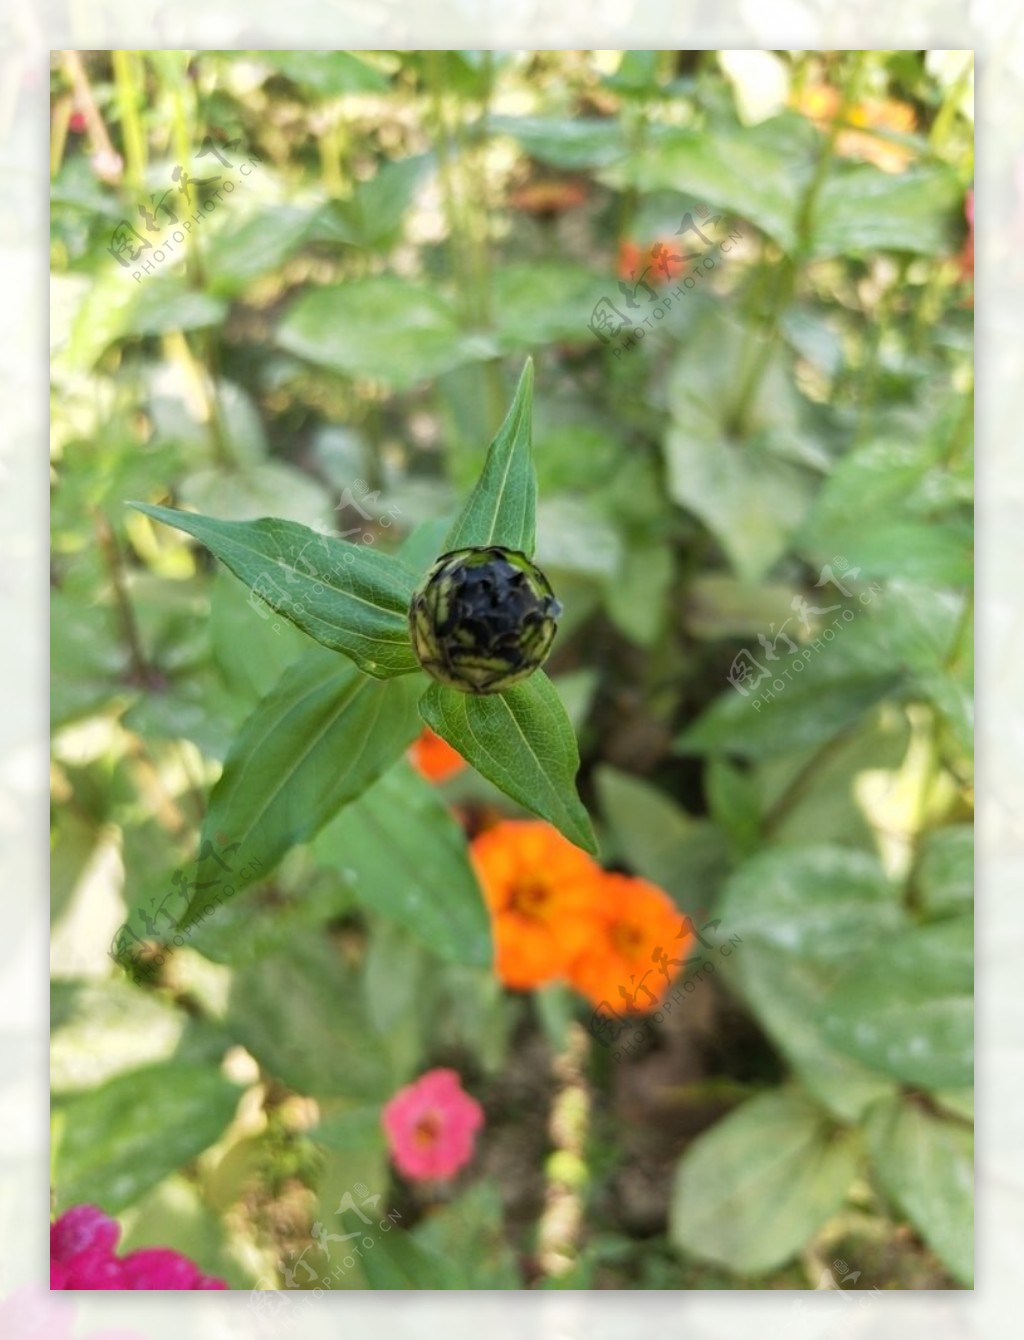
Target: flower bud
x,y
483,619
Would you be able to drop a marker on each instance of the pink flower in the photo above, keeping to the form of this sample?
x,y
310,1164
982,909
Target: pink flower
x,y
82,1243
159,1268
83,1228
431,1126
94,1269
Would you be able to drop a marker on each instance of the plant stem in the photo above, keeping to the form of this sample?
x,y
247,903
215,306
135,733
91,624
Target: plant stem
x,y
59,133
99,139
803,782
132,132
558,1232
791,265
142,672
467,236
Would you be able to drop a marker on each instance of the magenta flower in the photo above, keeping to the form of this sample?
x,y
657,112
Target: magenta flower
x,y
82,1243
431,1126
83,1228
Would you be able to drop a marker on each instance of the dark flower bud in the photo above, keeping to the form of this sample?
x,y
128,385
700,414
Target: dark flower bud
x,y
483,619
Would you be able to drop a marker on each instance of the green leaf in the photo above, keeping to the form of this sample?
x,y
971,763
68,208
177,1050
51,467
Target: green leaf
x,y
807,711
398,1261
469,1234
750,1192
925,1164
944,876
348,597
567,142
384,328
502,507
373,217
523,742
822,903
751,500
405,856
758,172
538,302
684,856
239,254
318,740
805,915
861,210
302,1014
787,994
100,1028
934,553
326,74
733,801
907,1009
115,1142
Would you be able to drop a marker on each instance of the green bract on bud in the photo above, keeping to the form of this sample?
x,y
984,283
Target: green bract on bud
x,y
483,619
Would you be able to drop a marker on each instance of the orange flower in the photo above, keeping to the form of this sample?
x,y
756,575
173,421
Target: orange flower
x,y
655,265
549,197
820,104
541,891
434,758
640,940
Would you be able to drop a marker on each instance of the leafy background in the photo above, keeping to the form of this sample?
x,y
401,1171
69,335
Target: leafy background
x,y
337,347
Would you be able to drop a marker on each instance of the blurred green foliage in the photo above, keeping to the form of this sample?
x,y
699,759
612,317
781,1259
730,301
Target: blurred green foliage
x,y
783,453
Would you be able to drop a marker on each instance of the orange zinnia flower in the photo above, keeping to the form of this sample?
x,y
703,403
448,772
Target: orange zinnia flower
x,y
664,261
640,941
434,758
540,890
820,104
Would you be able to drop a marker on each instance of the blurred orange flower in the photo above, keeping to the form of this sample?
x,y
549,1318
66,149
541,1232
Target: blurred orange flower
x,y
435,758
549,197
640,940
655,265
541,891
820,103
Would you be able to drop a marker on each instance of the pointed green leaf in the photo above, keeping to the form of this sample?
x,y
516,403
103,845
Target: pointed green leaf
x,y
751,1191
523,742
925,1163
114,1142
502,507
398,1261
302,1014
907,1008
316,741
347,596
405,856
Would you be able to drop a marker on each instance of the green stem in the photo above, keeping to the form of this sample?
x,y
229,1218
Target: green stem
x,y
129,96
950,105
790,267
141,670
467,240
803,782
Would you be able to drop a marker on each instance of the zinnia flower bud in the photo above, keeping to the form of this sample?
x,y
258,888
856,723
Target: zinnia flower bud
x,y
483,619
